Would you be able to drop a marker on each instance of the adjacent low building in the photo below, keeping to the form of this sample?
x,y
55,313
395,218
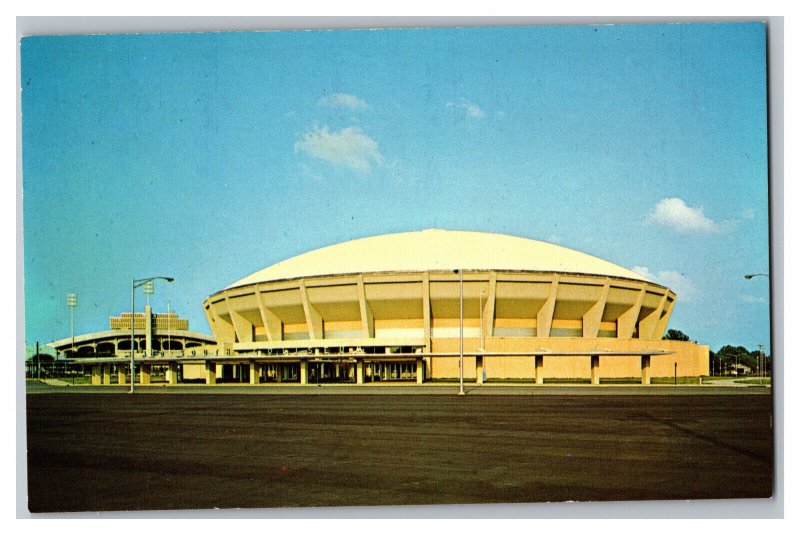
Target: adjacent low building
x,y
154,335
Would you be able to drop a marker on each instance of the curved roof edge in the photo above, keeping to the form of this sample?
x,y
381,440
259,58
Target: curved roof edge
x,y
437,250
126,335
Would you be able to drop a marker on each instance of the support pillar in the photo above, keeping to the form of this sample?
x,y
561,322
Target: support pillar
x,y
254,371
595,369
172,373
211,373
303,372
97,374
420,371
479,370
539,369
148,331
645,369
360,372
107,374
144,374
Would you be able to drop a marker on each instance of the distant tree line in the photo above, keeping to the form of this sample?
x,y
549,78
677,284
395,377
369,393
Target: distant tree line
x,y
728,357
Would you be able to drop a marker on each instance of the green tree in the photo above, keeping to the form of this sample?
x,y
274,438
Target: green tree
x,y
674,334
730,356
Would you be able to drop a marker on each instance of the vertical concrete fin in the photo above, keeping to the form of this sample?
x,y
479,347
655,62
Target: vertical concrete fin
x,y
223,331
648,325
313,318
242,327
367,319
626,323
593,316
488,307
661,326
272,323
426,309
544,319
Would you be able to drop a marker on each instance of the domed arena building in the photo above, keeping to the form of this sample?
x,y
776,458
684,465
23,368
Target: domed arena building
x,y
412,306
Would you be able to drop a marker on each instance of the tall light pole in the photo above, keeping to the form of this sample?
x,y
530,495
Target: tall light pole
x,y
762,362
135,283
480,312
461,331
169,327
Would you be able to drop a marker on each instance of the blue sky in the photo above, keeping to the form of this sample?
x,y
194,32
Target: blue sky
x,y
207,157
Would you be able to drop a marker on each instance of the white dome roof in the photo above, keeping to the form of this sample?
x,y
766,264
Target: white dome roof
x,y
437,250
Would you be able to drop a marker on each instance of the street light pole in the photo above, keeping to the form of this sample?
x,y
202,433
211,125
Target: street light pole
x,y
461,331
169,328
135,283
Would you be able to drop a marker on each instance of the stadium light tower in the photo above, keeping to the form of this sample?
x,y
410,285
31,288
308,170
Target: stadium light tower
x,y
72,302
135,283
149,290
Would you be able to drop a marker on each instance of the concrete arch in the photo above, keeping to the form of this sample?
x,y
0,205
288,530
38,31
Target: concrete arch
x,y
106,348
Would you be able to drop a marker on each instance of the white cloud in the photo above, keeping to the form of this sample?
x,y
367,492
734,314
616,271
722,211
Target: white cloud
x,y
747,298
644,272
472,110
749,213
675,281
350,147
675,214
343,100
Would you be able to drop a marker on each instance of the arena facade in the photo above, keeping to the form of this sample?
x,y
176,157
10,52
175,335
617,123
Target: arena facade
x,y
412,306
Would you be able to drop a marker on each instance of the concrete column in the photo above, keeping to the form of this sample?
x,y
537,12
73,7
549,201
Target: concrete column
x,y
96,374
360,372
106,371
148,330
645,369
121,375
254,369
144,374
595,369
211,373
479,370
172,373
420,371
539,363
303,372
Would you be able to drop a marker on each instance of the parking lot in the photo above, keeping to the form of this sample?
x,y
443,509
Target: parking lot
x,y
112,451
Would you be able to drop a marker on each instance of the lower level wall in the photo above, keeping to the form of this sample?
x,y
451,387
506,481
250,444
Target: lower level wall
x,y
194,371
691,358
